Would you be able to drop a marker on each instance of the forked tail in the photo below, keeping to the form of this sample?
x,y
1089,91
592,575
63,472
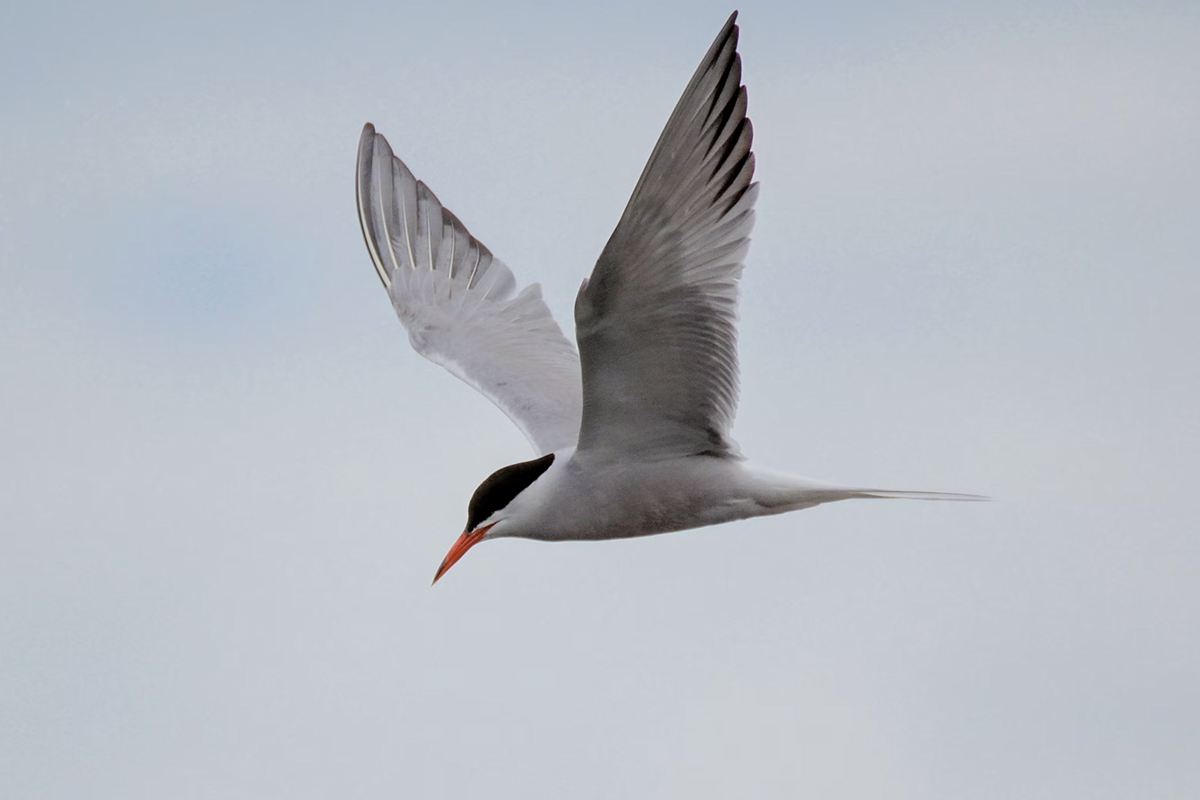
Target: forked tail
x,y
894,494
776,492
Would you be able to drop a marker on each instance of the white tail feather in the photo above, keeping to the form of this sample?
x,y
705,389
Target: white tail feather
x,y
896,494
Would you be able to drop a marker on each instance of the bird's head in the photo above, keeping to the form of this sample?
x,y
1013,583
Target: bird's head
x,y
490,508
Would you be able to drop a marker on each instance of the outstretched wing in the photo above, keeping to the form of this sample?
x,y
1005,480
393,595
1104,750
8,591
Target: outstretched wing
x,y
460,304
657,320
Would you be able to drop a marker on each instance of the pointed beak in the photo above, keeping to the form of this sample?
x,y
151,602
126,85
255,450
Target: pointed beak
x,y
465,542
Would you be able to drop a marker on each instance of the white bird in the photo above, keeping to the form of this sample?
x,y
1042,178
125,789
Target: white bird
x,y
633,432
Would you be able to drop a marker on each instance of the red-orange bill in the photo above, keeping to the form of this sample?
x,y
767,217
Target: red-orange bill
x,y
465,542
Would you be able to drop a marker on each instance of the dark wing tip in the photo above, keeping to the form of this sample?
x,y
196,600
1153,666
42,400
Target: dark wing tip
x,y
364,177
727,38
366,148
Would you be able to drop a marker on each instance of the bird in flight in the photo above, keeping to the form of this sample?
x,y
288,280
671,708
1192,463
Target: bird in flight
x,y
632,432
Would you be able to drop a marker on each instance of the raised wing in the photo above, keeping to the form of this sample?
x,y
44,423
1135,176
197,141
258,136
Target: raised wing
x,y
657,320
460,305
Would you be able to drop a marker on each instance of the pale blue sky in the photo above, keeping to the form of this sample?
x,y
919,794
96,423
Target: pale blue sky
x,y
227,481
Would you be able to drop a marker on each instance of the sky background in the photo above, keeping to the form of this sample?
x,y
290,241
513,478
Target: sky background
x,y
226,480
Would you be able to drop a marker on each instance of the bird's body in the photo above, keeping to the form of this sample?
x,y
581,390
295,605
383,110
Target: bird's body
x,y
597,495
593,495
633,432
588,495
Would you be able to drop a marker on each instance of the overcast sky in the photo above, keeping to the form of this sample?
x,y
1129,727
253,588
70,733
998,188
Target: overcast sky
x,y
226,480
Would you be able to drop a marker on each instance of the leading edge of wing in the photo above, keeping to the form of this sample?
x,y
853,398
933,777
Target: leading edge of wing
x,y
460,304
657,321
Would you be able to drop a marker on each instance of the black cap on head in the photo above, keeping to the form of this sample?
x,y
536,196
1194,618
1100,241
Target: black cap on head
x,y
502,486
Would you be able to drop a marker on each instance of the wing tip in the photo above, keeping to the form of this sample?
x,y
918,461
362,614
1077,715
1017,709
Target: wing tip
x,y
726,39
365,175
366,147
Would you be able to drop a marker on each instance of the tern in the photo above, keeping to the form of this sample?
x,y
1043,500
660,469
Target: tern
x,y
632,432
